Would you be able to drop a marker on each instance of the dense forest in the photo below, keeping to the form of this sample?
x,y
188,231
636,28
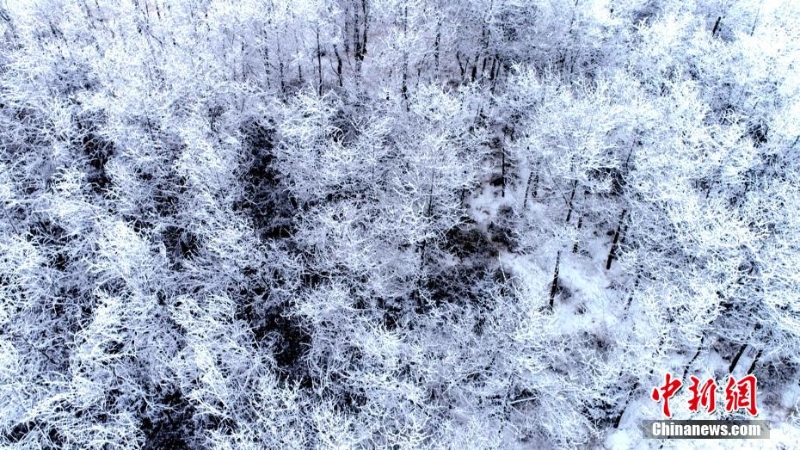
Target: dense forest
x,y
393,224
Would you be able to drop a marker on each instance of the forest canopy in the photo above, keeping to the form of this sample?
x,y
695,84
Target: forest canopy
x,y
395,224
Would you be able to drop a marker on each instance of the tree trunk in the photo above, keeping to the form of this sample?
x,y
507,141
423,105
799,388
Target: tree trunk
x,y
404,87
635,286
338,64
283,83
428,214
572,197
267,71
356,37
554,288
618,419
635,386
735,360
281,68
495,72
611,253
716,26
319,62
436,45
356,40
755,361
527,190
365,10
699,349
580,223
630,393
346,32
503,170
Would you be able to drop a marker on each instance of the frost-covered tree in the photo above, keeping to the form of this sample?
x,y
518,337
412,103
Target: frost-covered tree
x,y
391,224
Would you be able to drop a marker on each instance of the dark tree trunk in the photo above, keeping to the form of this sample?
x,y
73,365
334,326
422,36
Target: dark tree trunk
x,y
503,170
611,253
755,361
630,393
699,349
357,39
499,67
365,10
527,191
571,197
346,32
319,63
267,72
436,44
429,214
735,360
554,288
404,87
716,26
635,386
283,83
580,223
338,65
618,419
635,286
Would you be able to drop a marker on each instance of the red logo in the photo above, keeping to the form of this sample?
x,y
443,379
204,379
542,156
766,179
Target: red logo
x,y
705,395
741,394
738,394
671,386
